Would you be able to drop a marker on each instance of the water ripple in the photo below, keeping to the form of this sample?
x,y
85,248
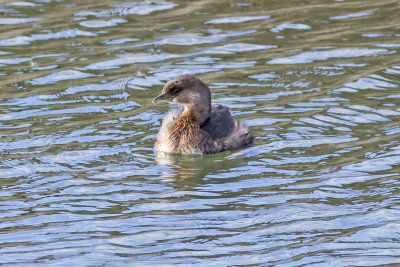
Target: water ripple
x,y
352,15
308,57
24,40
81,184
101,23
284,26
60,76
138,8
17,20
236,19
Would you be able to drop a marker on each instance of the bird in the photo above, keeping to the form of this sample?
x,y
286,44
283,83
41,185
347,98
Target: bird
x,y
198,127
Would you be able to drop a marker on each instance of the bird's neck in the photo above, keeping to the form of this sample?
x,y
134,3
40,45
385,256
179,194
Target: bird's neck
x,y
199,113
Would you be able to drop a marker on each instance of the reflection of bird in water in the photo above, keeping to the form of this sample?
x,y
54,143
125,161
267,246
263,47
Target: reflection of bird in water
x,y
195,167
187,171
199,127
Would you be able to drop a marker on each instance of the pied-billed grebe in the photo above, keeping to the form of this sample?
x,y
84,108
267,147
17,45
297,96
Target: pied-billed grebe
x,y
199,127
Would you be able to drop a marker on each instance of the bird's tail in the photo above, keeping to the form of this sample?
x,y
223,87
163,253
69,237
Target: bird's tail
x,y
240,137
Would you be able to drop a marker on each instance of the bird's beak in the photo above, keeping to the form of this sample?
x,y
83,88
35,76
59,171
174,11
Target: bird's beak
x,y
158,98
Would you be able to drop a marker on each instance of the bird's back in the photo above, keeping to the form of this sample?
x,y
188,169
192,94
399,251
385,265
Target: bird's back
x,y
220,124
227,132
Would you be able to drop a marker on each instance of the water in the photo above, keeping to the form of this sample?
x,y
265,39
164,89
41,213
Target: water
x,y
316,81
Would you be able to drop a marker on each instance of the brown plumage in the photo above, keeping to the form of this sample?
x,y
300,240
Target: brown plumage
x,y
199,127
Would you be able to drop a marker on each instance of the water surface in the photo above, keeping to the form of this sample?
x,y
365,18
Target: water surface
x,y
316,81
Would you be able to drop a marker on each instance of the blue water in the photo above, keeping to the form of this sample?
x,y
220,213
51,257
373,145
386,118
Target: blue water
x,y
316,81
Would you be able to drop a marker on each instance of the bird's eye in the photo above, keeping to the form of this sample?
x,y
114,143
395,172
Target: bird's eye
x,y
174,90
